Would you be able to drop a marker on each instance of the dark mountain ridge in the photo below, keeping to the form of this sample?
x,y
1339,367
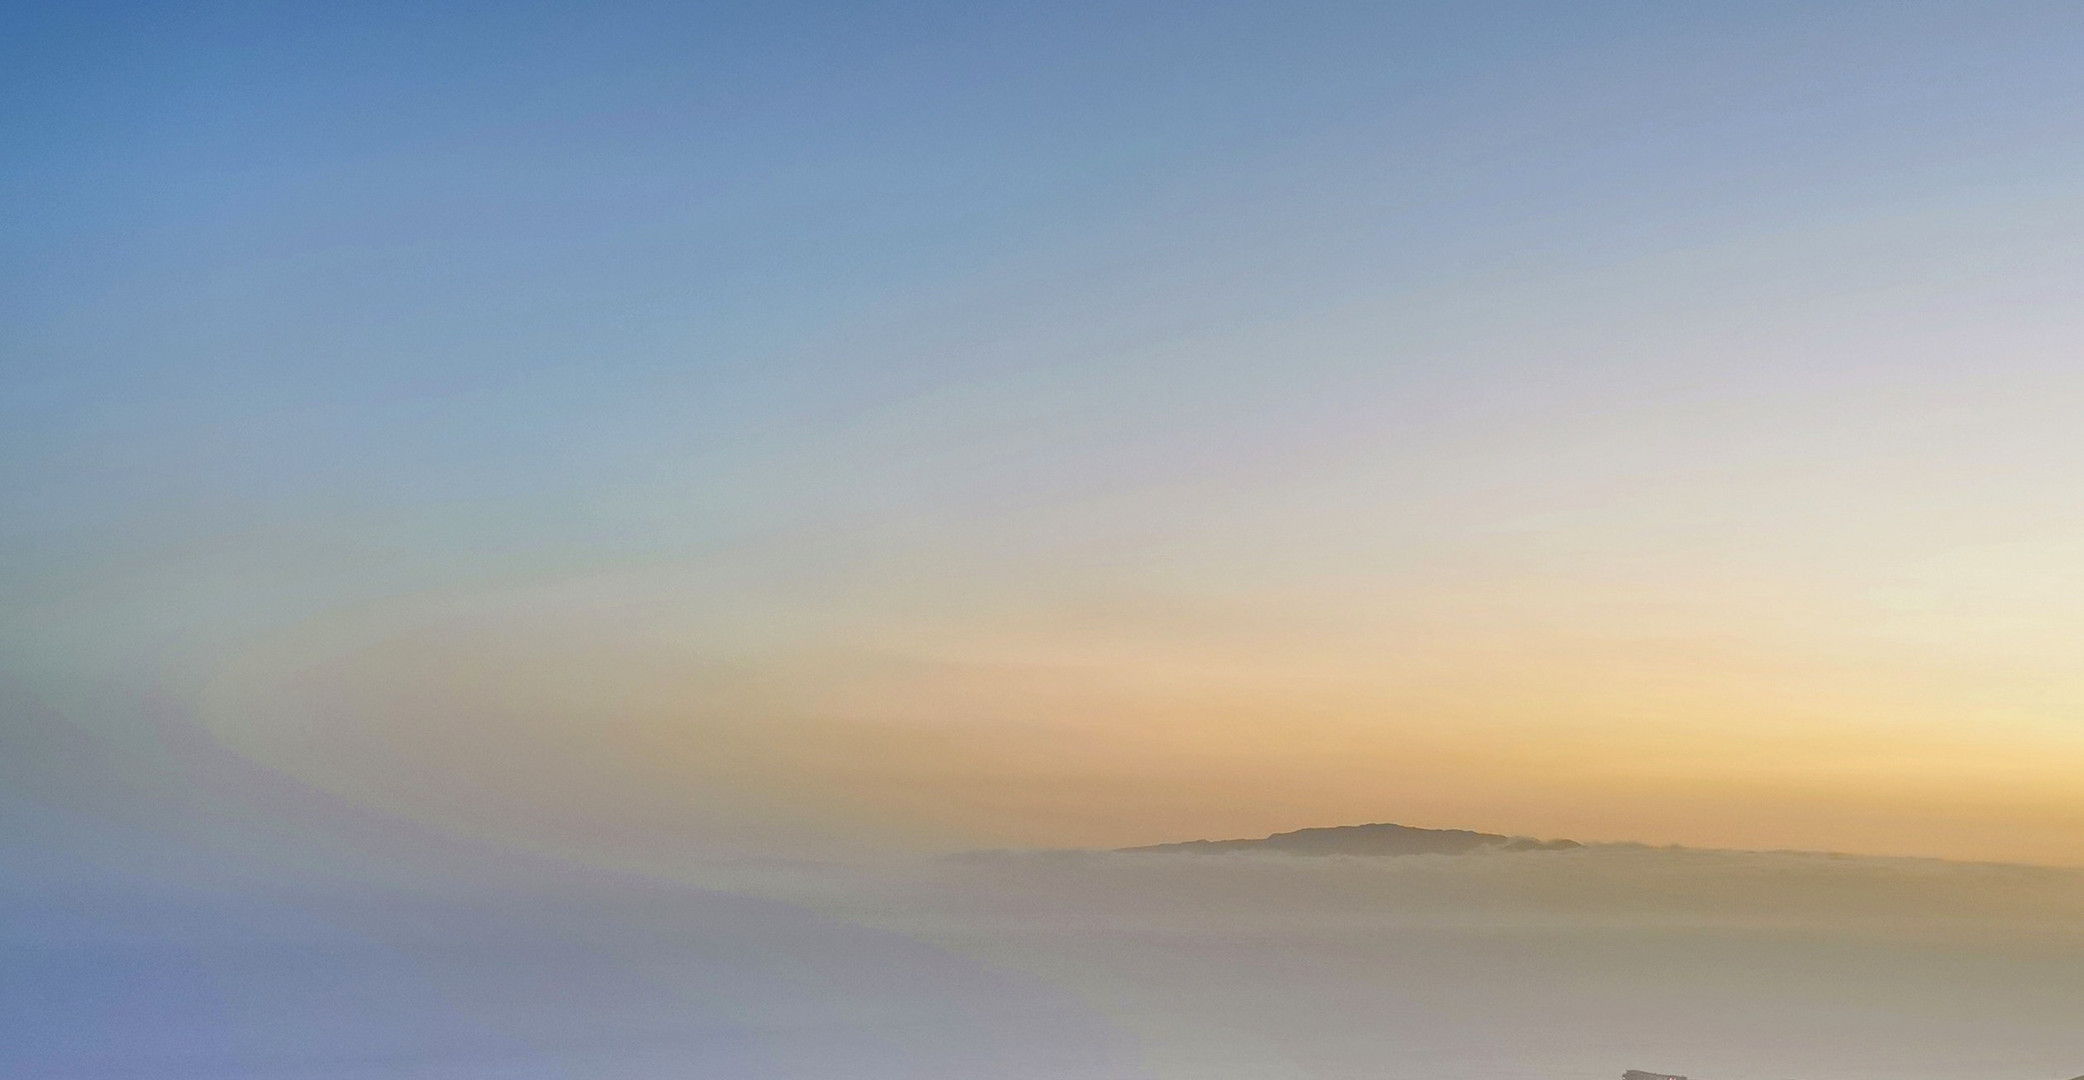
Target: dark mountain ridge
x,y
1375,839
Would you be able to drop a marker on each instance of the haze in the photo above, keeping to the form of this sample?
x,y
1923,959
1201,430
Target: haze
x,y
463,457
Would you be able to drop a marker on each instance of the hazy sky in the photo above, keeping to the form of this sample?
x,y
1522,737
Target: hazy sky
x,y
782,427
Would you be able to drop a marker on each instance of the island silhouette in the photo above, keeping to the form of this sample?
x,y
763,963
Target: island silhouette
x,y
1374,839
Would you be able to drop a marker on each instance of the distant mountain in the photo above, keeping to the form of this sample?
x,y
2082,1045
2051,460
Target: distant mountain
x,y
1382,839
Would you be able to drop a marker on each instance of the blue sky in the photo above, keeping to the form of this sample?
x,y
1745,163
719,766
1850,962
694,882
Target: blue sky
x,y
428,252
1736,325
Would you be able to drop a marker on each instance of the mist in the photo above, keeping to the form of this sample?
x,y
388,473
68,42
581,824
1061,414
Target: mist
x,y
225,922
682,541
1719,965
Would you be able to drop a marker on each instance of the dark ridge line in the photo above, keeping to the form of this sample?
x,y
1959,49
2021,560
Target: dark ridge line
x,y
1380,838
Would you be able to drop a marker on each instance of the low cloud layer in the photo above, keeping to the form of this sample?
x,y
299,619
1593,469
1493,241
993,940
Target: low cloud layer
x,y
1721,965
285,936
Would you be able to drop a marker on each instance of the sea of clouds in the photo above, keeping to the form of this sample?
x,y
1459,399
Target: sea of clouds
x,y
269,932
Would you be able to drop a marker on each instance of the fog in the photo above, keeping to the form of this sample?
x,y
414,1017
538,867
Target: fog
x,y
1724,966
179,913
1083,967
271,932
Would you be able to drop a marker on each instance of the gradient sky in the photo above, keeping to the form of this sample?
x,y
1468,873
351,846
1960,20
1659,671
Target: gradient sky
x,y
788,427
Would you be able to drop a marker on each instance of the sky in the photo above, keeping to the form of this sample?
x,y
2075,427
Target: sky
x,y
551,541
799,430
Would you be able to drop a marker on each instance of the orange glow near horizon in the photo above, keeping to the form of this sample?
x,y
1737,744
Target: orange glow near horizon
x,y
604,712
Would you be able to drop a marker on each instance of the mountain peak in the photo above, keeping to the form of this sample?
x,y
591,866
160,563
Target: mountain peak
x,y
1374,839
